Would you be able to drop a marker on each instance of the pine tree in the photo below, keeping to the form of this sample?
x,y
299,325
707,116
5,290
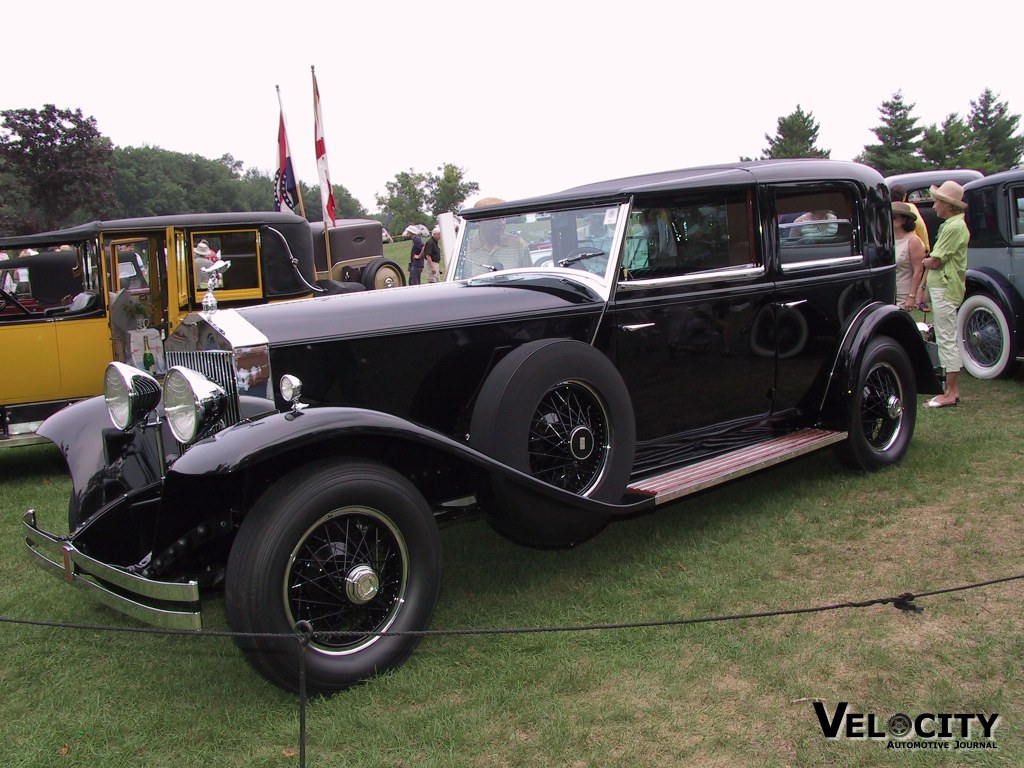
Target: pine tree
x,y
992,130
897,136
795,136
951,146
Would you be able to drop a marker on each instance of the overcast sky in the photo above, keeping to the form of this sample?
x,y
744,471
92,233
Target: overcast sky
x,y
527,96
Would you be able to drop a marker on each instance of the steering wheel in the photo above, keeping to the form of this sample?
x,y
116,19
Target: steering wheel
x,y
7,298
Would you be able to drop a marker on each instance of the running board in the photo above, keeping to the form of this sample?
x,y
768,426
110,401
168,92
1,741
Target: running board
x,y
696,477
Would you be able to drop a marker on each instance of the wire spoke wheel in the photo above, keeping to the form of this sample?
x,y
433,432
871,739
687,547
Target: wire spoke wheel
x,y
882,407
983,338
348,546
568,437
348,573
988,342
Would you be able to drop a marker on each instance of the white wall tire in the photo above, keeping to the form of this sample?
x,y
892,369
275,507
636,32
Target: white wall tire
x,y
987,344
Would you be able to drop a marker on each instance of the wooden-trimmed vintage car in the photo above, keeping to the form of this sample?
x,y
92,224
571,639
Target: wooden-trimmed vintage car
x,y
72,300
692,326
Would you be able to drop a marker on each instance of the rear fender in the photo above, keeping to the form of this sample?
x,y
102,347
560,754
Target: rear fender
x,y
877,319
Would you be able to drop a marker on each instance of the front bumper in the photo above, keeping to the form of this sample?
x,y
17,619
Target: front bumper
x,y
172,605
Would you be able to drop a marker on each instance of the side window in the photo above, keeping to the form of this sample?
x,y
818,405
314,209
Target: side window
x,y
684,237
181,258
815,227
1017,212
241,248
983,218
130,279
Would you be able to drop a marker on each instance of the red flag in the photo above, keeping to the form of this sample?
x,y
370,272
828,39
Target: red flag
x,y
326,192
287,193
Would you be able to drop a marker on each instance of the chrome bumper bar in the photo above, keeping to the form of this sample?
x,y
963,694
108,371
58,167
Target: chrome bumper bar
x,y
172,605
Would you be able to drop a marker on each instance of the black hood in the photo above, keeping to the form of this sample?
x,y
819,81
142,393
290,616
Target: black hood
x,y
399,310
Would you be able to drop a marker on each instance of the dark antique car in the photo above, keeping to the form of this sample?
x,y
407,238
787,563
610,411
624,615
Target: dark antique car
x,y
918,185
301,455
991,318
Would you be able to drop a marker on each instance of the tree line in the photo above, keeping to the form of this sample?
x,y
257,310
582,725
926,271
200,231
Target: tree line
x,y
985,141
58,170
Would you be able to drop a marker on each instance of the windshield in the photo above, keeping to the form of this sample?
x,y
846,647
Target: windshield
x,y
577,239
46,277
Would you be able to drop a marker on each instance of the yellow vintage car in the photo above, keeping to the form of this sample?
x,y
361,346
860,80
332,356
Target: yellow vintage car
x,y
73,300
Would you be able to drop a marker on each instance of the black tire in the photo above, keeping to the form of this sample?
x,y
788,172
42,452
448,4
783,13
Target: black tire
x,y
347,546
558,410
882,408
989,346
382,273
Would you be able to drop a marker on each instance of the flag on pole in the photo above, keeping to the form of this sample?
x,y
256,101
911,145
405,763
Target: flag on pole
x,y
326,192
286,186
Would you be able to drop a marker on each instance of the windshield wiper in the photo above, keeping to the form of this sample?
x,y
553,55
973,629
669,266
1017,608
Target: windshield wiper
x,y
580,257
490,267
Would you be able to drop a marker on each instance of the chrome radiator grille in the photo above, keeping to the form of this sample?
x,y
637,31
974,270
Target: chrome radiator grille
x,y
216,365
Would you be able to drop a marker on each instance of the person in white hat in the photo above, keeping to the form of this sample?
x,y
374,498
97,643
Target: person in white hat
x,y
946,275
203,256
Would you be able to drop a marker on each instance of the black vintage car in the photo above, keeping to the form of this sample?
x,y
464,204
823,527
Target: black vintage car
x,y
689,327
991,318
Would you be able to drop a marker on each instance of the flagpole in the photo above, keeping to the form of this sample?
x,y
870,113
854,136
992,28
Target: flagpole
x,y
326,193
298,186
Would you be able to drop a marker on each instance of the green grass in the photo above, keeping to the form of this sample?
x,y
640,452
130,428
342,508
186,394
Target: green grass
x,y
721,694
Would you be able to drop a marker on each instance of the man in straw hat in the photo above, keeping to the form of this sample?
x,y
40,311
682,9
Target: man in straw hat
x,y
945,274
492,246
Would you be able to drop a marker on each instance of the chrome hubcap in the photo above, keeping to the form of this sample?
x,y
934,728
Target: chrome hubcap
x,y
581,443
362,584
894,406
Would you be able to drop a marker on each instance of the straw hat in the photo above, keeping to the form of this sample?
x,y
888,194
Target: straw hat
x,y
485,201
902,209
950,192
203,249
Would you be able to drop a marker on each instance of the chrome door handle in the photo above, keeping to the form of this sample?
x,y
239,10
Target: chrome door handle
x,y
637,327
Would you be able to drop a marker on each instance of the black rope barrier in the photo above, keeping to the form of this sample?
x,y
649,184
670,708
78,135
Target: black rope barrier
x,y
304,633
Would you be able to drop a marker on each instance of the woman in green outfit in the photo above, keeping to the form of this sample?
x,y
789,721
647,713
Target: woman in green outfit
x,y
945,275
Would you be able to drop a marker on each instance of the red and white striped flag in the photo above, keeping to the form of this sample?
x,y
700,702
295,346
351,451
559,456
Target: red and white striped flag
x,y
326,192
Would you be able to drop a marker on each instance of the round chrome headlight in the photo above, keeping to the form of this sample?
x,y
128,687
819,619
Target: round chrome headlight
x,y
192,403
130,393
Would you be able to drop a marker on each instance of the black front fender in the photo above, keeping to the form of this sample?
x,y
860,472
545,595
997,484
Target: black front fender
x,y
250,455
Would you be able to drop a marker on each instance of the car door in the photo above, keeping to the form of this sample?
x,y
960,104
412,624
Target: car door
x,y
691,287
821,278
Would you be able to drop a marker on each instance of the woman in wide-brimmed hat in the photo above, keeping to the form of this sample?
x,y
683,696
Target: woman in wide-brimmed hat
x,y
909,255
946,274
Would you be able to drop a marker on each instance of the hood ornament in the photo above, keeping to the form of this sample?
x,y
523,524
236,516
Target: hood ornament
x,y
213,282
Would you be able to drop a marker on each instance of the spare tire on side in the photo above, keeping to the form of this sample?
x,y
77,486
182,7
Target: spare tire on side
x,y
558,410
382,273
